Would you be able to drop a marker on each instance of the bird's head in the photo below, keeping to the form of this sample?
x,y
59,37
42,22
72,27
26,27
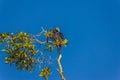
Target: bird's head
x,y
57,29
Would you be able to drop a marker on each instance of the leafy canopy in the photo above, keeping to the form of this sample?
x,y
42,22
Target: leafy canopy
x,y
21,51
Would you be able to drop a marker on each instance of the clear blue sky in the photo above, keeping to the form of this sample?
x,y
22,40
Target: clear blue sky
x,y
92,27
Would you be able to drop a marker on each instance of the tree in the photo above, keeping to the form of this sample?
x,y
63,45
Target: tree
x,y
21,50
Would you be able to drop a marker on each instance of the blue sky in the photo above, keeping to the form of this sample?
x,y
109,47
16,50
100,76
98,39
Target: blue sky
x,y
92,27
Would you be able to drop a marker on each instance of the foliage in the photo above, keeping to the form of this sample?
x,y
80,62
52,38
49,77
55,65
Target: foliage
x,y
21,50
45,72
3,37
49,48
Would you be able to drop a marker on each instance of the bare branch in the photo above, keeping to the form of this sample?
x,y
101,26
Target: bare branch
x,y
60,70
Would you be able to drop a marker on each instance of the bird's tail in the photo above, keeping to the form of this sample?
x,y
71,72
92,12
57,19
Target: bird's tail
x,y
59,49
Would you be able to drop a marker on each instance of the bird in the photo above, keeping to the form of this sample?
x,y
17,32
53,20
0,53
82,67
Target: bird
x,y
57,37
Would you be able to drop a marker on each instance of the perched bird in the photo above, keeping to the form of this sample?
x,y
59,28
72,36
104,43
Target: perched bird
x,y
57,37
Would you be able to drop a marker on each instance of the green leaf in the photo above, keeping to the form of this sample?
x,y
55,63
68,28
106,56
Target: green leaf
x,y
45,72
6,62
3,50
49,48
41,74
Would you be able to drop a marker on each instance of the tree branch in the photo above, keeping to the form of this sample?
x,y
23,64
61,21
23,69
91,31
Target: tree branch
x,y
46,78
60,70
35,39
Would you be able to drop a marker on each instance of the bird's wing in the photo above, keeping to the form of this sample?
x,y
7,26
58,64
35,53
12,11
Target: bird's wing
x,y
61,35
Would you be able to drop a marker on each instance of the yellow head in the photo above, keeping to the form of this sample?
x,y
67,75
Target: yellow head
x,y
57,28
